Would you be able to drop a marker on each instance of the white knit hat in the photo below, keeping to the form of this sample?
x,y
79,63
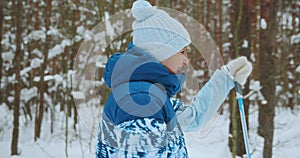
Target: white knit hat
x,y
156,32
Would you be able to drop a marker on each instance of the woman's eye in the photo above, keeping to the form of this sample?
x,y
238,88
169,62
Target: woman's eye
x,y
183,52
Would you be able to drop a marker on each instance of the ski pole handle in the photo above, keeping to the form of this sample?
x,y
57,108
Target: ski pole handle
x,y
238,89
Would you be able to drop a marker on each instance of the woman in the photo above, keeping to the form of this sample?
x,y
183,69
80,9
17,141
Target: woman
x,y
140,118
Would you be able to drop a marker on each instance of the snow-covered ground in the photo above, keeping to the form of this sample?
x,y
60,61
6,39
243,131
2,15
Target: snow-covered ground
x,y
213,145
286,137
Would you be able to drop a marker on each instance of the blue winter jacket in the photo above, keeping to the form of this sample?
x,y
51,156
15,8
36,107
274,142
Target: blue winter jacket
x,y
140,117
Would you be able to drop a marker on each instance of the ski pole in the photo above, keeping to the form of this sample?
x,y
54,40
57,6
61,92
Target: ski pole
x,y
238,89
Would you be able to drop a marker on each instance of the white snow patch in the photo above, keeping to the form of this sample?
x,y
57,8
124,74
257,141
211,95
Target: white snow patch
x,y
36,35
36,78
10,99
78,95
295,39
25,71
59,48
7,18
83,33
100,64
80,30
55,77
298,69
226,46
54,32
7,56
264,102
48,78
66,42
255,86
27,94
109,28
56,50
35,63
38,53
198,73
287,21
263,23
245,44
278,89
58,78
88,35
252,57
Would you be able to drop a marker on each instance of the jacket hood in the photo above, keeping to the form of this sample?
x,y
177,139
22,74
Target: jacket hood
x,y
135,65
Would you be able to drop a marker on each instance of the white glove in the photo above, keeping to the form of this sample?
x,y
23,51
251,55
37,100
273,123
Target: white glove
x,y
238,69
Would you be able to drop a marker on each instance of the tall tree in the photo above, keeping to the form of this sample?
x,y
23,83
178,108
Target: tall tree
x,y
40,111
267,41
292,63
245,33
241,19
296,13
1,34
17,85
220,33
208,18
255,37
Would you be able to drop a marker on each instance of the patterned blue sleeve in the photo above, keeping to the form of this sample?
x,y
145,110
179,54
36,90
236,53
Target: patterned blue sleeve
x,y
206,103
177,104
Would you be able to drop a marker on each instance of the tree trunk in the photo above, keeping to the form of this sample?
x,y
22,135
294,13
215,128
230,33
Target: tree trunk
x,y
234,116
197,8
101,8
245,33
293,57
1,61
220,30
215,23
17,63
72,53
40,112
266,75
202,11
255,38
241,19
207,24
296,55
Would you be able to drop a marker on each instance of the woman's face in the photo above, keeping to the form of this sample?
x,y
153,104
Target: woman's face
x,y
175,63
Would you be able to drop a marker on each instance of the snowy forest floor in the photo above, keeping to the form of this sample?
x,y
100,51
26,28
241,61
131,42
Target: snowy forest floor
x,y
81,144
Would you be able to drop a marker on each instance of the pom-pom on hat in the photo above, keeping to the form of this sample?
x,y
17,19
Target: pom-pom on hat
x,y
156,32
